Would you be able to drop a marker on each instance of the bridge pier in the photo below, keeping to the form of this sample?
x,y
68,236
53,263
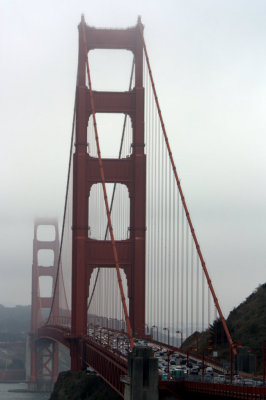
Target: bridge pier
x,y
142,380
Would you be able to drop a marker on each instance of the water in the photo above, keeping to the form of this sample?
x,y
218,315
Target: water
x,y
6,395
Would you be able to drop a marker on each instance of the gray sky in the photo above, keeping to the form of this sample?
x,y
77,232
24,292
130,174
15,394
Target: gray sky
x,y
208,60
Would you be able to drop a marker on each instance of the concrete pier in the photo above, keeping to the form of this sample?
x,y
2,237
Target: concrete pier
x,y
142,380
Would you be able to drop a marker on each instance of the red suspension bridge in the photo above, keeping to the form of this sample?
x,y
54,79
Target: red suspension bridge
x,y
129,258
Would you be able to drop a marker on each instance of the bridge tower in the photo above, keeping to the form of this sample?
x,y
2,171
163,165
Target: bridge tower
x,y
44,352
88,253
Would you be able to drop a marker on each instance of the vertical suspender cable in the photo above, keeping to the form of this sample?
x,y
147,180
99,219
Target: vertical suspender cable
x,y
173,235
209,307
202,301
163,258
148,259
177,253
169,244
182,270
184,202
159,226
192,287
187,274
152,232
197,296
156,212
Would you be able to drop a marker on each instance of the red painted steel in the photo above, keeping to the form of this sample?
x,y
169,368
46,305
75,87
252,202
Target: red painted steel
x,y
223,391
109,365
85,174
110,226
39,352
46,366
214,389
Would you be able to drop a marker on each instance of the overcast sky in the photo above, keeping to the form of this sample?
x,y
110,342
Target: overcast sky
x,y
208,60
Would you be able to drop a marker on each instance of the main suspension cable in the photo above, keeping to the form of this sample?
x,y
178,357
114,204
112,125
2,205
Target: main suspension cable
x,y
104,190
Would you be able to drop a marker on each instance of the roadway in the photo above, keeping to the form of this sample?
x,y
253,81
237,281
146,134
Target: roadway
x,y
173,364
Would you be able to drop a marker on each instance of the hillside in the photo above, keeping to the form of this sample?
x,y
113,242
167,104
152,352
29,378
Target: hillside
x,y
247,326
247,322
14,323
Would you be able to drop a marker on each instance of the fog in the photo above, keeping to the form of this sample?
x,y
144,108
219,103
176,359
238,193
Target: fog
x,y
208,60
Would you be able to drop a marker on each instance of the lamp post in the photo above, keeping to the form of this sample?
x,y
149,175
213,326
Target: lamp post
x,y
147,326
101,334
181,333
90,326
231,362
231,358
154,326
255,356
122,325
197,341
111,319
263,361
190,348
117,341
94,326
168,359
108,338
205,347
108,329
167,329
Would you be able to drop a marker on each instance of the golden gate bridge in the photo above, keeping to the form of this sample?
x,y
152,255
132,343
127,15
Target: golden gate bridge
x,y
129,259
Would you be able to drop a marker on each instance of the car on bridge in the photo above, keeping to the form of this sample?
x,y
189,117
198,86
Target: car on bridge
x,y
209,371
194,370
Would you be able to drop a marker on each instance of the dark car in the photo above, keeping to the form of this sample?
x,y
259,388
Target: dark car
x,y
194,371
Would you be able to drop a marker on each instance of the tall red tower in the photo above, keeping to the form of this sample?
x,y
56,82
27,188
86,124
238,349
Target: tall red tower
x,y
44,353
88,253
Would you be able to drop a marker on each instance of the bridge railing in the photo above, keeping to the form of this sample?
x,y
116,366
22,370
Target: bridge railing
x,y
63,321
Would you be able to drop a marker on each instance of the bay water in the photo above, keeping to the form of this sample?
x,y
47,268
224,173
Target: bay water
x,y
5,393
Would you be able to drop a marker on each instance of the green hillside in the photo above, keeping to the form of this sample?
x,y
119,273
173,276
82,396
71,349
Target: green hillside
x,y
247,322
247,326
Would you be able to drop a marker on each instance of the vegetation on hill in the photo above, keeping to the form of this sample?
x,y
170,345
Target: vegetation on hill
x,y
247,326
247,322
